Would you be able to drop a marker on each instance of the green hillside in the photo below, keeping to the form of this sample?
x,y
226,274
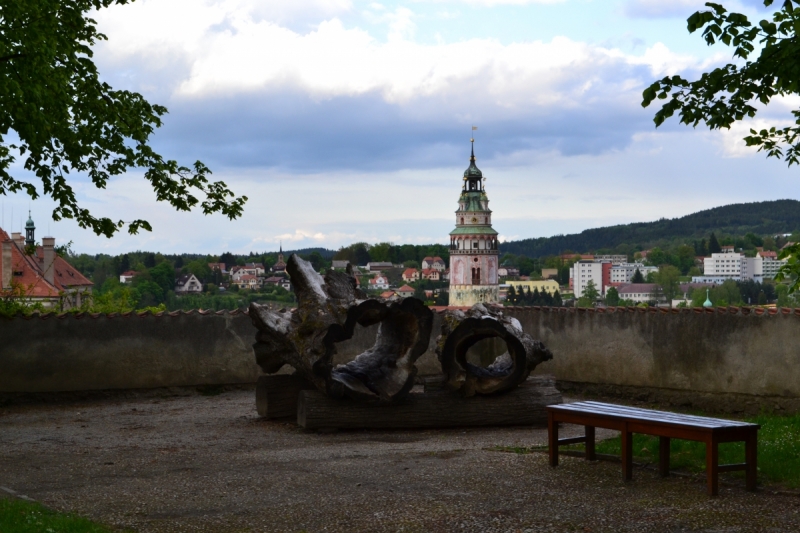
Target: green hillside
x,y
761,218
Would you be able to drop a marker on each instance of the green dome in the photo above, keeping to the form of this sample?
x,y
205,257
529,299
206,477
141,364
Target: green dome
x,y
29,224
707,303
473,171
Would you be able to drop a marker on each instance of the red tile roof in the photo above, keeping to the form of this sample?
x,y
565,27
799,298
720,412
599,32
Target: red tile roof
x,y
28,272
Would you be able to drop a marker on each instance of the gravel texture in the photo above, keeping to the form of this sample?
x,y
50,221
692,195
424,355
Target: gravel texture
x,y
208,463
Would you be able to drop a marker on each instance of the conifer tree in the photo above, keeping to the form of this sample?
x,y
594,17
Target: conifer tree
x,y
713,245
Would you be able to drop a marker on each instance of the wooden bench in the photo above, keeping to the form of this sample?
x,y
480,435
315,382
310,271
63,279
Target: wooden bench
x,y
666,426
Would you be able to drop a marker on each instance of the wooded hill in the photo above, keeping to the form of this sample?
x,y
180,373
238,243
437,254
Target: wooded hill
x,y
760,218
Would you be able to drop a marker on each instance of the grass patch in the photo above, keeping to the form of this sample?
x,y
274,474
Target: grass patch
x,y
778,450
18,516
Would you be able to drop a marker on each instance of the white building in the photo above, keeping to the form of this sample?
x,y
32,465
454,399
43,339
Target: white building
x,y
640,292
770,264
613,259
623,273
583,271
730,265
188,284
379,283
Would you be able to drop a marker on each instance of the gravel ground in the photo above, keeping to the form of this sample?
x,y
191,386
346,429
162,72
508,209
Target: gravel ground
x,y
208,463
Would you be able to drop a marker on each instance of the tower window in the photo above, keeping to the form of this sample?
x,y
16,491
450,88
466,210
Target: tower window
x,y
475,244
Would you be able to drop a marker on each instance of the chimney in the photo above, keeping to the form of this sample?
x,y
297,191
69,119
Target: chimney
x,y
7,268
18,238
48,245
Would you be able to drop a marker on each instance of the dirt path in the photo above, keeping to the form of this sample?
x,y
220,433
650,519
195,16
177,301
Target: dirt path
x,y
201,463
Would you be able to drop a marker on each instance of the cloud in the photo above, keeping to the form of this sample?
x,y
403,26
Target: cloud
x,y
662,8
246,91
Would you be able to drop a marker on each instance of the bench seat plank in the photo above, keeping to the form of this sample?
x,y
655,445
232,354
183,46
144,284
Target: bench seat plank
x,y
663,424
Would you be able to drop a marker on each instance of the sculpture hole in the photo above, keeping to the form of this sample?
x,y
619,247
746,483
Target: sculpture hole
x,y
348,350
485,351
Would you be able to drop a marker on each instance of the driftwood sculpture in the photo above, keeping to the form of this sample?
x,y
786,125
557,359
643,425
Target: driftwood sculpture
x,y
461,331
328,310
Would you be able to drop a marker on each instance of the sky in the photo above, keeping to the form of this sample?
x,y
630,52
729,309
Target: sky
x,y
347,121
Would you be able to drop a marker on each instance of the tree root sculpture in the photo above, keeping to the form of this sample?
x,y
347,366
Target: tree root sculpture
x,y
327,313
460,331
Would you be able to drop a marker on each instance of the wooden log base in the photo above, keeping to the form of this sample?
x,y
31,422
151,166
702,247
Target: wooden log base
x,y
522,406
276,396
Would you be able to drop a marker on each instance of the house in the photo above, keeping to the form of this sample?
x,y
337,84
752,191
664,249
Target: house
x,y
188,284
248,281
431,274
218,266
379,283
505,272
250,269
405,291
274,280
446,274
41,276
340,264
127,276
436,263
640,292
389,295
379,266
410,274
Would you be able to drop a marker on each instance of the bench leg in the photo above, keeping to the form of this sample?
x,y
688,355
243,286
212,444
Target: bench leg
x,y
552,438
590,443
627,454
663,456
751,458
712,463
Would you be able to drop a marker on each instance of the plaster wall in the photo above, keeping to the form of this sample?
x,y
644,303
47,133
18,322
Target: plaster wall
x,y
716,352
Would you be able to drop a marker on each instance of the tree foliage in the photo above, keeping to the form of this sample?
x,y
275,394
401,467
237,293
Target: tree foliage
x,y
760,218
59,117
731,93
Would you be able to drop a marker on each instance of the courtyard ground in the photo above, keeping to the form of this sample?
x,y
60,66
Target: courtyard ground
x,y
208,463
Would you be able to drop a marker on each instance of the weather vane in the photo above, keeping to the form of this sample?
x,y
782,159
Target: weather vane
x,y
472,137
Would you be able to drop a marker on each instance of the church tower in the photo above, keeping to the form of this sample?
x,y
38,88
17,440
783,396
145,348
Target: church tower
x,y
473,244
30,228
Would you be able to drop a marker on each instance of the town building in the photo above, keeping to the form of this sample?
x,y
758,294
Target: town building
x,y
624,272
222,267
379,282
770,264
436,263
584,271
405,291
431,274
336,264
730,265
474,250
542,285
410,275
188,284
379,266
613,259
548,273
280,265
127,276
651,292
507,272
37,274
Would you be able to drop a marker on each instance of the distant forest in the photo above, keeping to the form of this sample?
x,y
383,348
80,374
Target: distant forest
x,y
759,218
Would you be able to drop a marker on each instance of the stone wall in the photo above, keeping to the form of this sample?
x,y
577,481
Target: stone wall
x,y
725,351
735,351
96,352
